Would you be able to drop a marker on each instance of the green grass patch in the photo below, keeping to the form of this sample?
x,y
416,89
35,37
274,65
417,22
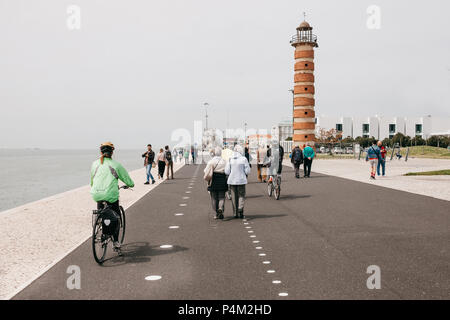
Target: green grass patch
x,y
430,173
427,152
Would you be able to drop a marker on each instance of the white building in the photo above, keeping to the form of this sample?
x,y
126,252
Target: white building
x,y
382,127
285,129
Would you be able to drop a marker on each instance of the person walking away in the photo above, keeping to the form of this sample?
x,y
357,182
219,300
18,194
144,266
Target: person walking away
x,y
248,156
180,155
169,161
308,156
297,160
186,156
161,163
237,170
149,159
218,183
105,173
382,161
373,155
281,157
261,155
193,155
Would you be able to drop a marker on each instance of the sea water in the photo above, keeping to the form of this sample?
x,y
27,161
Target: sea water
x,y
28,175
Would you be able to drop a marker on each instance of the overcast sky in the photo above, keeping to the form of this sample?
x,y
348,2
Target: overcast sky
x,y
136,70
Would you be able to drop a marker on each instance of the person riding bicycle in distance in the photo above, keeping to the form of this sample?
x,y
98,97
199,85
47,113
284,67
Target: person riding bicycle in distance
x,y
273,155
105,173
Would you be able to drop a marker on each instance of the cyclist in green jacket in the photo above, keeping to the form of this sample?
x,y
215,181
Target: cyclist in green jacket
x,y
105,173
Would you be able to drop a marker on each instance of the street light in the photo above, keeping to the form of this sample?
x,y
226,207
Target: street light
x,y
293,107
245,132
206,104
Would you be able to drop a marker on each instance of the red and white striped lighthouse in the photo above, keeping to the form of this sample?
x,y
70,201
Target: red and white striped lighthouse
x,y
304,125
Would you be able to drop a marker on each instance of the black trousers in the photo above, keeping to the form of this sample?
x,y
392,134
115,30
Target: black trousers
x,y
161,167
115,206
307,166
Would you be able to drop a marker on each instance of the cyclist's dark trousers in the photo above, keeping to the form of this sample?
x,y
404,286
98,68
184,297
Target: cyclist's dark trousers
x,y
307,167
115,206
280,167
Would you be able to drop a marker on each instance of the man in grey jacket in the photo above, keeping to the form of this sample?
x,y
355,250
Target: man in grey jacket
x,y
237,170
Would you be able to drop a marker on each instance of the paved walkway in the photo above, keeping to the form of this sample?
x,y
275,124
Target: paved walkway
x,y
38,234
432,186
316,242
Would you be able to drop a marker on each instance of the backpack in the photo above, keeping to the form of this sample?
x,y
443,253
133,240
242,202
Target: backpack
x,y
168,155
297,155
110,221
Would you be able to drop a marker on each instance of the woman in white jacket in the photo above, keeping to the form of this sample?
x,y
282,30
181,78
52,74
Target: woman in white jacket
x,y
237,170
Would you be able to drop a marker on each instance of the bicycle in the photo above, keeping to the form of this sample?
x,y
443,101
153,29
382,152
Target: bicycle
x,y
100,240
274,186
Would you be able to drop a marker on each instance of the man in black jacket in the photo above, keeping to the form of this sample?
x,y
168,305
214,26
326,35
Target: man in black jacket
x,y
149,158
297,160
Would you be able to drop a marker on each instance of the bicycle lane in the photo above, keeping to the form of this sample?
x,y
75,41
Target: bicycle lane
x,y
173,249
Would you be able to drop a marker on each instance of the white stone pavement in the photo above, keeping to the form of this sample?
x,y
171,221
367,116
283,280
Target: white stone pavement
x,y
37,235
358,170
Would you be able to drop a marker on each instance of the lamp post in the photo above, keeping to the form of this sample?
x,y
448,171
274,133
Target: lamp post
x,y
245,133
293,106
206,105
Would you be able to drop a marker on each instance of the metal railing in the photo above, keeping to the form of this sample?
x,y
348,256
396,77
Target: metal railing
x,y
304,38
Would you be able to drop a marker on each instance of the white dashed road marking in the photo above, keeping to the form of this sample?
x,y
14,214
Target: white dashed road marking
x,y
166,246
152,278
183,204
270,271
173,227
283,294
266,262
179,214
276,281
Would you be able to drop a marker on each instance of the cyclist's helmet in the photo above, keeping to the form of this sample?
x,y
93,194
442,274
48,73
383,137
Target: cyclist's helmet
x,y
107,148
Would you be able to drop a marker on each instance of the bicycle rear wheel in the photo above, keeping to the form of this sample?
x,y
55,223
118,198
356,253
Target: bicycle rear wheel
x,y
99,242
122,225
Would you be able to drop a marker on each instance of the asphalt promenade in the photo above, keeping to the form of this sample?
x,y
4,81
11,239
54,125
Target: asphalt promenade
x,y
316,242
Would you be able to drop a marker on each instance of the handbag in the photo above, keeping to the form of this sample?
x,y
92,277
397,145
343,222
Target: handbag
x,y
153,164
209,174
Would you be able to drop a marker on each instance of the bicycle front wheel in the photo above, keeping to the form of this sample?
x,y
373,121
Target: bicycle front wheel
x,y
270,189
277,192
122,225
99,242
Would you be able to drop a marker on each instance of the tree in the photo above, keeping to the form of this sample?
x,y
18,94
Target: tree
x,y
348,140
438,141
401,139
387,142
329,137
417,141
